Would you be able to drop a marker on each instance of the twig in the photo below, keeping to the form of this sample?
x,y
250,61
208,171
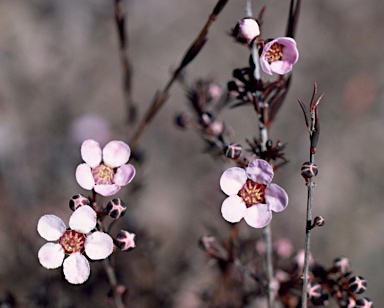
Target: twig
x,y
262,111
309,171
308,228
117,290
162,96
125,65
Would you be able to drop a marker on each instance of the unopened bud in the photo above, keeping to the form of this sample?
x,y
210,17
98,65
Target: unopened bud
x,y
77,201
357,284
314,290
125,240
309,170
342,265
364,303
116,208
319,221
247,29
233,150
183,120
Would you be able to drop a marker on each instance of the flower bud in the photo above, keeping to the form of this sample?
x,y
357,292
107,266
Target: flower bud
x,y
314,290
233,150
125,240
116,208
183,120
357,284
247,29
309,170
77,201
342,265
319,221
364,303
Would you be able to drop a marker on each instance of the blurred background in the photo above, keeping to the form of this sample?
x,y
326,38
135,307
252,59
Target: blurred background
x,y
60,82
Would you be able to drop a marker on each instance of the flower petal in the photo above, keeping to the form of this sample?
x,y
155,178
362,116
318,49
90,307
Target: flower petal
x,y
290,52
265,65
260,171
51,255
281,67
258,216
51,227
233,208
106,189
232,180
76,268
276,197
84,176
98,246
116,153
91,153
83,219
124,175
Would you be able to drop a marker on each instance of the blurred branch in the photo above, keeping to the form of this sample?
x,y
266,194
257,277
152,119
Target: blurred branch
x,y
293,17
125,64
162,96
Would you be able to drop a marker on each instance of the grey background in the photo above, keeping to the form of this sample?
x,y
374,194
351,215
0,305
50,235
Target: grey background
x,y
59,61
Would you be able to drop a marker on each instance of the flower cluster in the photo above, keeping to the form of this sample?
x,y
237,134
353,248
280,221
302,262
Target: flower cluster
x,y
104,171
277,55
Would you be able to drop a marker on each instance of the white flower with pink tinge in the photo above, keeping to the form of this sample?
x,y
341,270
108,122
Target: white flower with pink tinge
x,y
105,170
73,242
252,196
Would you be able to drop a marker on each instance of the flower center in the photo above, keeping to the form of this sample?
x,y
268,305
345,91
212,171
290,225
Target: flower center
x,y
252,193
103,174
72,241
274,53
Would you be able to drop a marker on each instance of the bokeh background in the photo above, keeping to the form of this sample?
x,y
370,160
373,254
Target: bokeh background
x,y
60,74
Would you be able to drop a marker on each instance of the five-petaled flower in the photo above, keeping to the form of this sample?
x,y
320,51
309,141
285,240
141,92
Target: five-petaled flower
x,y
73,242
252,196
279,56
105,170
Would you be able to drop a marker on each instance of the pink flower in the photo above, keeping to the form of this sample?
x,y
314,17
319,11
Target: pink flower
x,y
105,170
252,196
279,56
73,243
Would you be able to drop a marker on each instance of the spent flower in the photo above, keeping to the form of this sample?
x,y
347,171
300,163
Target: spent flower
x,y
251,195
105,170
73,242
279,56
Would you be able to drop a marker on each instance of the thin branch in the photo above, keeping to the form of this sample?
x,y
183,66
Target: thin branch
x,y
308,228
162,96
124,59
